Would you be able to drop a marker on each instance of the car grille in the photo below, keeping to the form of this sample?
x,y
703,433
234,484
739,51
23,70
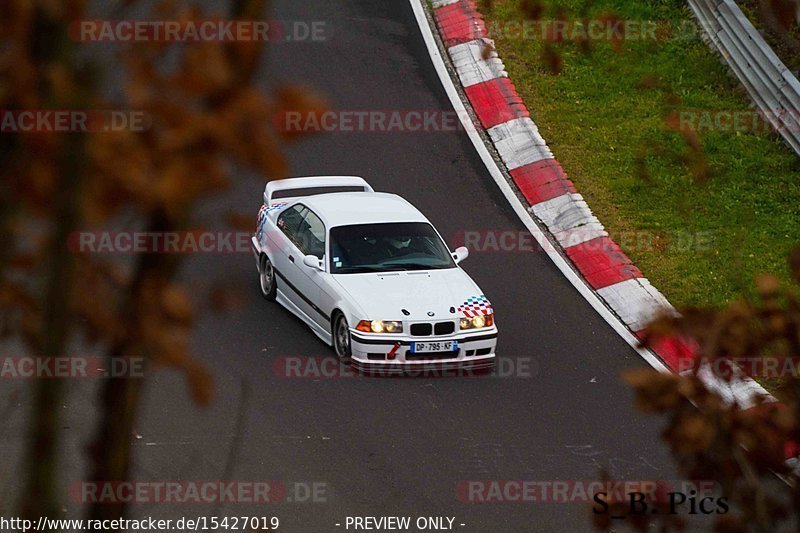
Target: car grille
x,y
425,329
444,328
421,330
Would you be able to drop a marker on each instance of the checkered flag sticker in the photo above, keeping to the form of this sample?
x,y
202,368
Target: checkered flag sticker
x,y
273,207
262,216
476,306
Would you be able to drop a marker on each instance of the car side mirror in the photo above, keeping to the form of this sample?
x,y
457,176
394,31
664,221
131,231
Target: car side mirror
x,y
460,254
312,261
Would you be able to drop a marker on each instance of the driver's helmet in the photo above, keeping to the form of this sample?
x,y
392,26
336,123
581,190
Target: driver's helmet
x,y
400,242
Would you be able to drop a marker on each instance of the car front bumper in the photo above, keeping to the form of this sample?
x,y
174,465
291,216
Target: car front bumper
x,y
374,353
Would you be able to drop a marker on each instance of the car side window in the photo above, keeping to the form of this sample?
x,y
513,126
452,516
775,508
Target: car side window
x,y
311,236
289,221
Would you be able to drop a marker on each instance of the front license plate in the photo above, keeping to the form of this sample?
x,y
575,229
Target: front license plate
x,y
434,346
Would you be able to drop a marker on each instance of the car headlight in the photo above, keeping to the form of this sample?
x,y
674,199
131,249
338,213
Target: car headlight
x,y
477,321
380,326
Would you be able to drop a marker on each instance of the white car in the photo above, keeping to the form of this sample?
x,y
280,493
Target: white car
x,y
370,276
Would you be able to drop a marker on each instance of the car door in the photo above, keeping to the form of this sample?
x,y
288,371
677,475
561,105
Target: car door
x,y
286,253
309,280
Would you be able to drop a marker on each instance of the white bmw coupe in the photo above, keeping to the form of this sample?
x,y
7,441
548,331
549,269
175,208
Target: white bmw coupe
x,y
370,276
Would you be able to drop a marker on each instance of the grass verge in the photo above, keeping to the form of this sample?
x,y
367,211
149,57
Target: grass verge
x,y
699,211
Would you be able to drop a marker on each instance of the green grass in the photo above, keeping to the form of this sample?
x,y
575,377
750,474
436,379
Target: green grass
x,y
604,126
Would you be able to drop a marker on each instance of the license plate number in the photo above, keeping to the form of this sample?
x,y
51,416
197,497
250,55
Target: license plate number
x,y
434,346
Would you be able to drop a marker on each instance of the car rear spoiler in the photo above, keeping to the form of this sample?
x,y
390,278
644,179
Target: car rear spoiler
x,y
318,183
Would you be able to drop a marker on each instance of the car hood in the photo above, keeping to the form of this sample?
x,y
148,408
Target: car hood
x,y
383,296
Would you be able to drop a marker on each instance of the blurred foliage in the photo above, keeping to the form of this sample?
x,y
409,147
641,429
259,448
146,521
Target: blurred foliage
x,y
778,21
711,437
207,120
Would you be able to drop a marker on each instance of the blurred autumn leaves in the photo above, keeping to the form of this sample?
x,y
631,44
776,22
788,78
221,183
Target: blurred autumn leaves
x,y
206,117
712,437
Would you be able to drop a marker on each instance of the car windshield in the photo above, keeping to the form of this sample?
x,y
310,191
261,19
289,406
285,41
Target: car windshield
x,y
387,247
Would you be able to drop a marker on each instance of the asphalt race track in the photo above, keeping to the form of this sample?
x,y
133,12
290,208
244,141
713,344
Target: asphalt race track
x,y
385,446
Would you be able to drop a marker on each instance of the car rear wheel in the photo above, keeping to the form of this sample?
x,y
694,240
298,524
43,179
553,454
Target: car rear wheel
x,y
266,277
341,338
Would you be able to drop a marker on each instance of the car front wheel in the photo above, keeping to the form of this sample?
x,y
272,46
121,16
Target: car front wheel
x,y
341,338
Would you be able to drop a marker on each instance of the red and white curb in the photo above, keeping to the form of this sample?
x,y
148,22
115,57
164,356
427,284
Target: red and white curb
x,y
543,196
